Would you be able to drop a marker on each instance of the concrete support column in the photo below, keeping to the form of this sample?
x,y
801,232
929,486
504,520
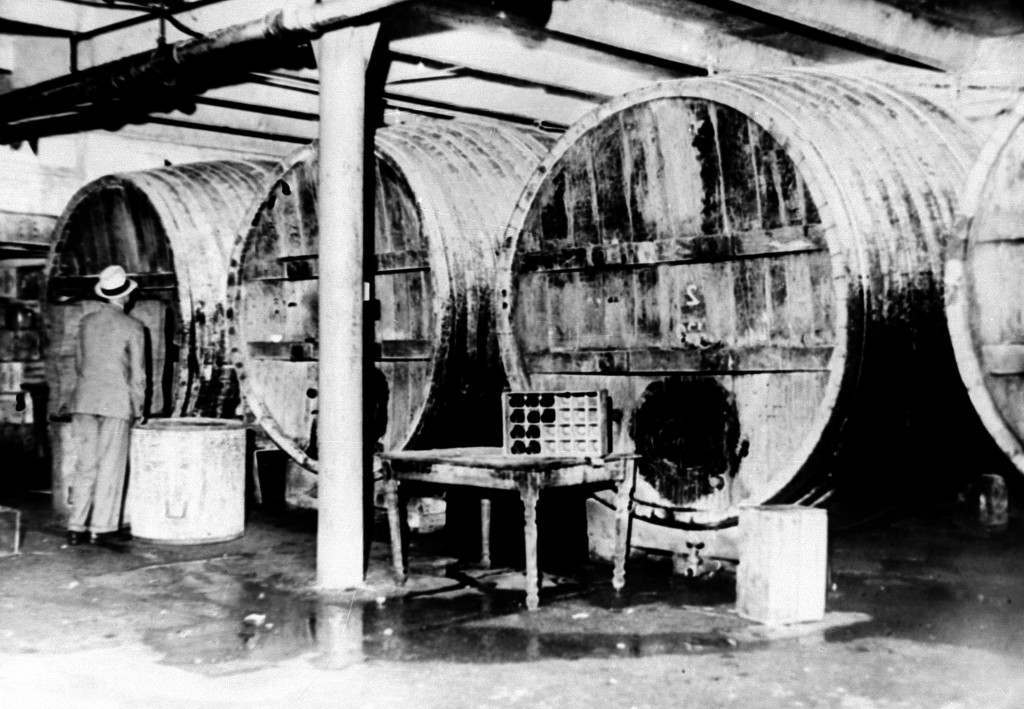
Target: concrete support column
x,y
343,57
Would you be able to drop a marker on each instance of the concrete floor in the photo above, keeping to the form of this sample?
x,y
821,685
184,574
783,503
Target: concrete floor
x,y
923,613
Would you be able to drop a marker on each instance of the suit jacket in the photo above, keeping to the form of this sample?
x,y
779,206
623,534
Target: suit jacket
x,y
111,365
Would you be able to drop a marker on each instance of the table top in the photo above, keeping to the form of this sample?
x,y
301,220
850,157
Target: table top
x,y
491,468
496,459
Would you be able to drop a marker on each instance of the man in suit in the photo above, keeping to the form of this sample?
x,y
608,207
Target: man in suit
x,y
108,397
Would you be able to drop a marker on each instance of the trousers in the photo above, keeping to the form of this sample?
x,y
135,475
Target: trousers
x,y
97,486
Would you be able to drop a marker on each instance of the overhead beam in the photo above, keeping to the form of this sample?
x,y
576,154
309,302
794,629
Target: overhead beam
x,y
890,30
30,29
64,17
501,52
193,123
636,27
107,21
436,70
626,40
285,101
504,111
397,108
496,49
253,117
106,43
423,86
479,95
202,141
169,77
289,97
212,115
488,99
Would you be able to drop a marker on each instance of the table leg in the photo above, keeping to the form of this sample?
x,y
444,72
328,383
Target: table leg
x,y
485,532
257,489
391,501
528,494
623,500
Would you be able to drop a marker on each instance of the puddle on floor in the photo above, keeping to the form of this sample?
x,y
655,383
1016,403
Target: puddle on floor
x,y
475,618
479,618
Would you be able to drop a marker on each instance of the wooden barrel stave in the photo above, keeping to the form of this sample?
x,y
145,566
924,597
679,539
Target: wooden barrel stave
x,y
876,188
984,306
909,202
440,188
879,192
169,228
895,271
909,250
469,236
911,154
463,160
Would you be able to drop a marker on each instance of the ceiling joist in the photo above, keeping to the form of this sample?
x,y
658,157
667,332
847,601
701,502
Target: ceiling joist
x,y
893,31
63,17
448,71
529,63
505,51
690,41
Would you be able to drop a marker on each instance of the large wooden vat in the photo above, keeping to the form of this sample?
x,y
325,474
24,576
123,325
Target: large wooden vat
x,y
749,265
443,191
172,229
187,480
984,298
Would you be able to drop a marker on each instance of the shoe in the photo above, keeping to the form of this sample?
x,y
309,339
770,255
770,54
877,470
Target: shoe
x,y
109,539
75,538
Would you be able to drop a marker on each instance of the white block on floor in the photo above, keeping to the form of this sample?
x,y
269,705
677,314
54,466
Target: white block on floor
x,y
10,530
783,558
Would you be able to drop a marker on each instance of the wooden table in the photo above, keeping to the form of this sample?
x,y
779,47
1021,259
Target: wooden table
x,y
491,469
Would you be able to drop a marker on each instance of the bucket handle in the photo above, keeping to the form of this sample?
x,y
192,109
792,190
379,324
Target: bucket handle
x,y
175,509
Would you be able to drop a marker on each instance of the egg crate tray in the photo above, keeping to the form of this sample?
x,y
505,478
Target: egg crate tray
x,y
566,423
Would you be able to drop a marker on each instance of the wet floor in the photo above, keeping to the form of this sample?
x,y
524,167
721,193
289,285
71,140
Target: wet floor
x,y
910,588
474,617
462,624
957,589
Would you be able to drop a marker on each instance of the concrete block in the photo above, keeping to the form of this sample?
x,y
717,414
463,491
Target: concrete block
x,y
783,558
10,531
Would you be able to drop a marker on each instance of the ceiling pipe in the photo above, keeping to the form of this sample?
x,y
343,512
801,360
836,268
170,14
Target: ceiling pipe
x,y
168,77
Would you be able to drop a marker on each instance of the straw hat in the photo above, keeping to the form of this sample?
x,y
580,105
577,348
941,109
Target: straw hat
x,y
113,282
